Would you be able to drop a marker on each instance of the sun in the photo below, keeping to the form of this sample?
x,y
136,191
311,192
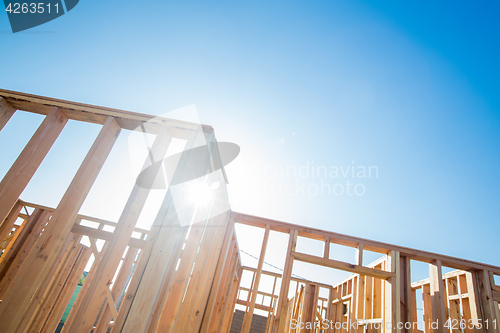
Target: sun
x,y
200,194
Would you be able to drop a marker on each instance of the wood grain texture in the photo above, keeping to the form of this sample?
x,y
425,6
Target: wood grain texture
x,y
25,166
6,112
98,114
42,260
105,271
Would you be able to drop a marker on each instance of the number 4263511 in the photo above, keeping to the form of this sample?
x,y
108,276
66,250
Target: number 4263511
x,y
23,8
463,324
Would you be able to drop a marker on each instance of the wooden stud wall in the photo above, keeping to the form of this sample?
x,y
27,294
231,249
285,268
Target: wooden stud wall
x,y
158,280
376,294
176,278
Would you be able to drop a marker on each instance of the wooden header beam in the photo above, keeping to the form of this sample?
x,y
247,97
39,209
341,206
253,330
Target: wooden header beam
x,y
367,244
357,269
95,114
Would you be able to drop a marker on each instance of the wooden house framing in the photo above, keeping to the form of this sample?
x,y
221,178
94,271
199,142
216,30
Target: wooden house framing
x,y
188,278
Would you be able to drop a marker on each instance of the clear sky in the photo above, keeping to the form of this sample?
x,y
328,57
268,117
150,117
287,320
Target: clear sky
x,y
411,89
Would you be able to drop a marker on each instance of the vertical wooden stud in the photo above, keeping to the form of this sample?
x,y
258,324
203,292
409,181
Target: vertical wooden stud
x,y
117,289
369,297
68,291
25,166
6,112
16,257
392,308
326,249
407,294
437,296
8,223
279,324
224,296
99,285
309,310
41,261
255,288
205,320
359,255
453,305
353,304
171,305
427,303
200,304
329,309
360,297
486,301
472,299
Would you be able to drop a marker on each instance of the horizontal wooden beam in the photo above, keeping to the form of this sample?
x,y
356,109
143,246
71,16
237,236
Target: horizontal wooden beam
x,y
278,275
260,292
96,114
420,283
342,299
257,306
457,297
369,245
105,235
371,265
80,216
496,295
345,266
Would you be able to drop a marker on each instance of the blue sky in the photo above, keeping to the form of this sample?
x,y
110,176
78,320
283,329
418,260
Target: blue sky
x,y
409,87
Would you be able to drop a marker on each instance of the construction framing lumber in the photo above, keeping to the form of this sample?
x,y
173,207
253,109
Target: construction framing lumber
x,y
95,114
41,262
437,296
285,283
342,266
98,289
368,245
6,112
23,169
177,276
248,316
